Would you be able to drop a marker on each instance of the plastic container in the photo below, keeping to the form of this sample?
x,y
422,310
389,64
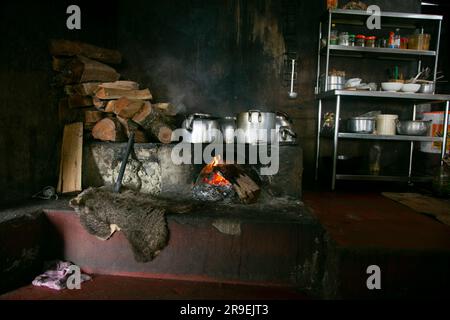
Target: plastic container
x,y
343,39
351,40
437,130
419,42
333,35
360,40
386,124
370,41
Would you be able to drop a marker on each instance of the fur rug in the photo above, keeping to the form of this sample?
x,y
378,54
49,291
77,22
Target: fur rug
x,y
140,217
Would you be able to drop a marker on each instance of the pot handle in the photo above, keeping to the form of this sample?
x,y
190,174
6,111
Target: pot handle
x,y
192,117
285,131
284,115
250,115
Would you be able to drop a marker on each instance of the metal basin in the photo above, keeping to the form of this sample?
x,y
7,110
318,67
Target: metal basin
x,y
361,125
413,128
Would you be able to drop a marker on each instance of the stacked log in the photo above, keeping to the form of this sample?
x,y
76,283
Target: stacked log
x,y
110,108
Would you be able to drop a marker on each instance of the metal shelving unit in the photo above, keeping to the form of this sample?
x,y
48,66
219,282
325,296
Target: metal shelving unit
x,y
389,19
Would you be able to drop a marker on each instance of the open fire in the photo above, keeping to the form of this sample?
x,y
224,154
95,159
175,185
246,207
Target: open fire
x,y
211,176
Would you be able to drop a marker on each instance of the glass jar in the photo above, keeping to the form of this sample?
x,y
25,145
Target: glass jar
x,y
343,39
351,40
333,36
370,41
360,40
382,43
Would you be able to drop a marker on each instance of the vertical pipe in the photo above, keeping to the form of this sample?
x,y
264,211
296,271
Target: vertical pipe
x,y
319,125
444,136
411,151
318,60
437,54
335,140
327,64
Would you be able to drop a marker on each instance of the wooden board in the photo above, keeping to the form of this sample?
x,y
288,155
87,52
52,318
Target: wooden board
x,y
111,94
438,208
71,159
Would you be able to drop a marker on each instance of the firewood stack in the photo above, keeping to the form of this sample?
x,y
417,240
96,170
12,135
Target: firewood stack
x,y
109,108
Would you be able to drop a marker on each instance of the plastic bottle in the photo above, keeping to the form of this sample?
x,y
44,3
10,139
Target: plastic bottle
x,y
397,39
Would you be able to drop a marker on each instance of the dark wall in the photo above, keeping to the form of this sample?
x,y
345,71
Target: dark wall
x,y
29,131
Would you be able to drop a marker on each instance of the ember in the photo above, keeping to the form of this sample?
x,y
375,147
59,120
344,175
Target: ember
x,y
210,176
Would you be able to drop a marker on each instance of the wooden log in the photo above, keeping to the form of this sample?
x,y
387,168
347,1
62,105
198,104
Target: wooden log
x,y
108,129
246,189
58,64
111,94
121,84
165,108
79,101
82,69
128,125
84,89
92,116
110,106
75,48
127,108
71,159
153,121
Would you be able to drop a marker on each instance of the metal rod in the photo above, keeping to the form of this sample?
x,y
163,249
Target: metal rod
x,y
411,151
327,64
444,136
319,125
437,54
335,140
130,143
318,59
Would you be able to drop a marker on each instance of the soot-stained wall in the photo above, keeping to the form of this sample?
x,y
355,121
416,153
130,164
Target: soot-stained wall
x,y
29,131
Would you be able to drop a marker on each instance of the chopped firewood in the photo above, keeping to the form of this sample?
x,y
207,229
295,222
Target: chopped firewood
x,y
79,101
82,69
92,116
108,129
58,64
110,106
99,104
152,120
111,94
75,48
127,108
128,125
84,89
121,84
247,189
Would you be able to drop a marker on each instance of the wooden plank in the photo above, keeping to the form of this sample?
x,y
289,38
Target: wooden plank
x,y
71,159
111,94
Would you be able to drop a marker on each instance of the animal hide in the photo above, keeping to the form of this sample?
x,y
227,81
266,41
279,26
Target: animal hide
x,y
140,217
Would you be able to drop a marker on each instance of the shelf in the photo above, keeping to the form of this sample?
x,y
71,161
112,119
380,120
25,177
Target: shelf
x,y
405,20
338,50
363,136
352,177
419,97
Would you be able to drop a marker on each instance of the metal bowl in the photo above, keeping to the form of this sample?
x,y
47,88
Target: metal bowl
x,y
426,88
413,128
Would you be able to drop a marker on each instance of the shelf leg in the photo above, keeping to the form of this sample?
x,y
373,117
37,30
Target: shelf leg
x,y
335,140
436,61
444,136
411,151
319,125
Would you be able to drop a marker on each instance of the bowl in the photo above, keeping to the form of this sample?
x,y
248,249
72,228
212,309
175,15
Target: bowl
x,y
427,88
413,128
391,86
411,87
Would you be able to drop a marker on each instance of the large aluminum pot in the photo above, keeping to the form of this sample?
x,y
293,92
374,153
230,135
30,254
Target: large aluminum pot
x,y
228,127
284,128
361,124
256,127
201,128
414,127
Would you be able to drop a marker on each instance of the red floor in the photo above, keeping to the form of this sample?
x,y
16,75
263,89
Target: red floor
x,y
126,288
369,220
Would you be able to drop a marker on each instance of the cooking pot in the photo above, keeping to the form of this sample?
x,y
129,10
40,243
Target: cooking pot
x,y
361,124
200,128
283,126
228,127
256,127
413,128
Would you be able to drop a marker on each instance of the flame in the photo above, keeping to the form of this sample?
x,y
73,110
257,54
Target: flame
x,y
213,177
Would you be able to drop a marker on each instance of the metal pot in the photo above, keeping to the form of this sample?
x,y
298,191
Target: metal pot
x,y
256,127
334,83
426,88
283,125
201,128
413,128
361,125
228,127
